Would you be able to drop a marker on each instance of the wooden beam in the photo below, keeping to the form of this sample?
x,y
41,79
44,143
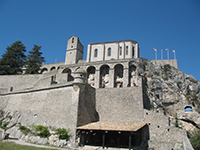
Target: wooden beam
x,y
103,144
130,141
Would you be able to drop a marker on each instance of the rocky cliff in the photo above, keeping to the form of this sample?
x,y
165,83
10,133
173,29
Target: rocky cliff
x,y
173,93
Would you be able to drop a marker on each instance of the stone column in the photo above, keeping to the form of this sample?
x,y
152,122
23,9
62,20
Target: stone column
x,y
111,78
125,77
96,81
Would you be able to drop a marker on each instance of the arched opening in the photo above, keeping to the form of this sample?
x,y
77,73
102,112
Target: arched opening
x,y
91,75
118,75
67,70
53,68
132,74
188,108
104,76
58,68
44,70
95,52
109,51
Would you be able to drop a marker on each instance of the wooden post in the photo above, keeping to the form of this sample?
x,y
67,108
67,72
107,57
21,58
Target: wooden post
x,y
130,141
103,144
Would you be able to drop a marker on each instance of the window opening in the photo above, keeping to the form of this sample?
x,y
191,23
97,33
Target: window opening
x,y
133,52
126,50
109,51
72,40
120,50
95,52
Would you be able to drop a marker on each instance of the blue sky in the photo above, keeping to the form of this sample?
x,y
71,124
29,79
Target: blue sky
x,y
173,24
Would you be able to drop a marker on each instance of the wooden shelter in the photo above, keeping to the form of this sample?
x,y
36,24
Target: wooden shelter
x,y
112,134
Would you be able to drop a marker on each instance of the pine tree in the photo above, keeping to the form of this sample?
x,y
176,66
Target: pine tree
x,y
13,59
34,60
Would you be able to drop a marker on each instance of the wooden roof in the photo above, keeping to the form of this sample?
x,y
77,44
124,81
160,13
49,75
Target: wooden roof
x,y
113,126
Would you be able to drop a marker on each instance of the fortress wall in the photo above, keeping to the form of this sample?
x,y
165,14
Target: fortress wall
x,y
120,104
162,62
162,130
19,82
53,107
87,106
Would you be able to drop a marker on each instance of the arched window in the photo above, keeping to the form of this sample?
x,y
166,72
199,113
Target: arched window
x,y
95,52
126,50
133,52
120,50
109,51
72,40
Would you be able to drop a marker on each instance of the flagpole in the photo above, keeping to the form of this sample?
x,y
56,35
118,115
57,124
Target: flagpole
x,y
156,55
161,54
174,54
168,53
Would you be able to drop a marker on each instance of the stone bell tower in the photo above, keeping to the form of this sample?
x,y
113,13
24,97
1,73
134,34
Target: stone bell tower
x,y
74,51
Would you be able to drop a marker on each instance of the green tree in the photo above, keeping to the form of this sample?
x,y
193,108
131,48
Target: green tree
x,y
13,59
34,60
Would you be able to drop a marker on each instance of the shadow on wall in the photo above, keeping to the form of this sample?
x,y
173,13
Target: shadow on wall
x,y
146,100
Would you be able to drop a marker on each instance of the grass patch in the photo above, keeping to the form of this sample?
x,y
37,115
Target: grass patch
x,y
13,146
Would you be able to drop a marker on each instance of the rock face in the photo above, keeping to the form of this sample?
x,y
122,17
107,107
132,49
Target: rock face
x,y
172,92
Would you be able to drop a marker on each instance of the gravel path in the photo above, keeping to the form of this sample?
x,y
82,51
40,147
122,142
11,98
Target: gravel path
x,y
20,142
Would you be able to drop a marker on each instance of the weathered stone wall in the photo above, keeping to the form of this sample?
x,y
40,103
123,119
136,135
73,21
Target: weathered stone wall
x,y
172,62
120,104
87,106
53,107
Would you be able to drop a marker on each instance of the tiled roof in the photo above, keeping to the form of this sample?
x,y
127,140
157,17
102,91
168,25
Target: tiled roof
x,y
113,126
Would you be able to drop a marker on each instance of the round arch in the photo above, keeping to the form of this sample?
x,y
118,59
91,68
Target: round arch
x,y
91,75
53,68
118,75
104,76
188,108
132,73
67,70
44,70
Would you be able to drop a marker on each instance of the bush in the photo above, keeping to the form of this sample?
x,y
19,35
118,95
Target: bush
x,y
167,67
24,129
43,131
195,141
63,133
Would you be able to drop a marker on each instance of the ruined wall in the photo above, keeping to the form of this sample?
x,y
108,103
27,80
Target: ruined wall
x,y
120,104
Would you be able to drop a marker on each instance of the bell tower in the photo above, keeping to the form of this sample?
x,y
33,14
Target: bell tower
x,y
74,51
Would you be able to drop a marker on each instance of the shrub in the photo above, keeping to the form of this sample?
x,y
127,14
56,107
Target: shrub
x,y
165,78
195,141
167,67
24,129
63,133
43,131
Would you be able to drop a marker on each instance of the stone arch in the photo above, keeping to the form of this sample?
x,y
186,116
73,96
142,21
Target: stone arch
x,y
67,70
53,68
91,75
118,75
104,76
132,74
77,68
44,70
188,108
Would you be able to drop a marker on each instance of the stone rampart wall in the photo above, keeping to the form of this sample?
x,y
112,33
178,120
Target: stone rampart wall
x,y
172,62
53,107
120,104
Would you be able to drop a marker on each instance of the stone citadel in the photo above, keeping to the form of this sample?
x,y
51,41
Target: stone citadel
x,y
103,100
